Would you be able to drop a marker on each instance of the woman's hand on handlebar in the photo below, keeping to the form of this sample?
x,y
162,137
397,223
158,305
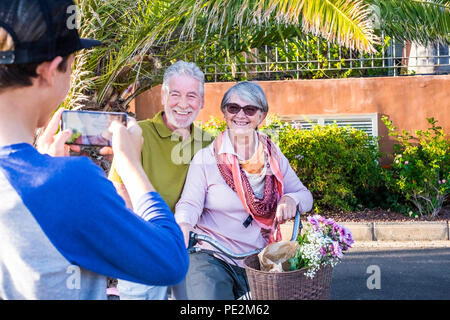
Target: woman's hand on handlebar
x,y
286,209
186,228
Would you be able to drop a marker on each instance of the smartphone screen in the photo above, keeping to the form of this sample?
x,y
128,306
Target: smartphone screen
x,y
90,128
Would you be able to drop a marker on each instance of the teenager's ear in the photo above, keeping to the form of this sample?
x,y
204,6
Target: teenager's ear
x,y
46,71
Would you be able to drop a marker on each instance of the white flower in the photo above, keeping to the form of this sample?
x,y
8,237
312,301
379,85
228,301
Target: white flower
x,y
322,245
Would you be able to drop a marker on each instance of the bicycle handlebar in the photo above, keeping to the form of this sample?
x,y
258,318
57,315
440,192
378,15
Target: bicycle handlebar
x,y
194,238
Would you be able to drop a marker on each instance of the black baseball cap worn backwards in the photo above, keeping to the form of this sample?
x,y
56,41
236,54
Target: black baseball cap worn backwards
x,y
41,30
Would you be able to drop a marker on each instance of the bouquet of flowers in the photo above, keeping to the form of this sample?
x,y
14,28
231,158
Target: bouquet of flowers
x,y
323,243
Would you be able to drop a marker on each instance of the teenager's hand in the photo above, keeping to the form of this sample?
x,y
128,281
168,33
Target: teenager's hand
x,y
126,143
51,143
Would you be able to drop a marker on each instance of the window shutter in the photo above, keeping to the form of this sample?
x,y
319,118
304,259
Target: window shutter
x,y
365,122
365,125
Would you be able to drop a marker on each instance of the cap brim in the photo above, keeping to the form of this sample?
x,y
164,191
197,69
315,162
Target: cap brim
x,y
89,43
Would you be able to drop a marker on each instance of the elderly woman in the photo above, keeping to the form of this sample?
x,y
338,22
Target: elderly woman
x,y
238,190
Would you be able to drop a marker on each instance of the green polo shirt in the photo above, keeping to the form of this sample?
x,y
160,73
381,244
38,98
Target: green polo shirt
x,y
165,157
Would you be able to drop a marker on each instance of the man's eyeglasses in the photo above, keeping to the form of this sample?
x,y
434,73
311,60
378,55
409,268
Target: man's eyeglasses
x,y
234,108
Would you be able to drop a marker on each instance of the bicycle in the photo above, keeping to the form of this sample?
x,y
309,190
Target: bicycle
x,y
194,238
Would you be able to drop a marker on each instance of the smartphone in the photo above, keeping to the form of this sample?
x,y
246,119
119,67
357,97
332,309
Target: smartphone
x,y
90,128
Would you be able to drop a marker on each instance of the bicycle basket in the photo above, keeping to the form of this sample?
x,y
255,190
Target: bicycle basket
x,y
290,285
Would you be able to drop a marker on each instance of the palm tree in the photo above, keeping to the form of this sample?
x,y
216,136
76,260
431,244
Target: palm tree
x,y
142,37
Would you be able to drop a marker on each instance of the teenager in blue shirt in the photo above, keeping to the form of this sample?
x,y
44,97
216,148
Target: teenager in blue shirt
x,y
63,227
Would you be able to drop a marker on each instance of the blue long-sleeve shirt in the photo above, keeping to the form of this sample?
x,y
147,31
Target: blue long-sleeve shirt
x,y
64,228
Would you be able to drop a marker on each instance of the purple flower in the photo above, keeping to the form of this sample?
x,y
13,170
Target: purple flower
x,y
340,238
349,239
312,220
335,229
299,157
323,251
406,162
336,249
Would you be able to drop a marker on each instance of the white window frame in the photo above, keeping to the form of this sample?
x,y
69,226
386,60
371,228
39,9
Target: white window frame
x,y
321,118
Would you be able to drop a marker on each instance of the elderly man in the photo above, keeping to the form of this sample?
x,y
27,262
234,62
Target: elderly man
x,y
170,142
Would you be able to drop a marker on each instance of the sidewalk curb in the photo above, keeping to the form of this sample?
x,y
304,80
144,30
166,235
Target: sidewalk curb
x,y
390,231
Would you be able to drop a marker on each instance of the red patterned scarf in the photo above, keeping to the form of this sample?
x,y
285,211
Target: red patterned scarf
x,y
263,210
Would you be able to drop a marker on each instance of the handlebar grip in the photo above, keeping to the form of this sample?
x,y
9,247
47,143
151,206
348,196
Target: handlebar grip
x,y
193,239
297,226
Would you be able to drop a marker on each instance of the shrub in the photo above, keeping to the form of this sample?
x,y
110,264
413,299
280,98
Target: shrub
x,y
421,167
213,126
337,164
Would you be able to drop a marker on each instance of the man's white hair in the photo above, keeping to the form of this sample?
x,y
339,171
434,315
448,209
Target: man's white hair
x,y
183,68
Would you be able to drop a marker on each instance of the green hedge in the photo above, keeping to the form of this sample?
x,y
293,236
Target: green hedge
x,y
339,165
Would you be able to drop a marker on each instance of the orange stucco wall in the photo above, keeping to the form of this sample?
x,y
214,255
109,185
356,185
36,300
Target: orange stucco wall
x,y
408,101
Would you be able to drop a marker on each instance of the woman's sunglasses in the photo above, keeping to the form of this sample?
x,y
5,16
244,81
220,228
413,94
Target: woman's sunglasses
x,y
234,108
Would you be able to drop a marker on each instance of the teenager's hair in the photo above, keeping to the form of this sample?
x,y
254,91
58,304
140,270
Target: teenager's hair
x,y
183,68
19,75
250,92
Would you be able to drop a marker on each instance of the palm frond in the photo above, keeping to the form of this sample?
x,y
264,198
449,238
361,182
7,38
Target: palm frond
x,y
344,21
127,30
347,22
420,21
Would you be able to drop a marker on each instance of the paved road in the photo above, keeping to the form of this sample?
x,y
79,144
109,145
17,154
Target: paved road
x,y
401,272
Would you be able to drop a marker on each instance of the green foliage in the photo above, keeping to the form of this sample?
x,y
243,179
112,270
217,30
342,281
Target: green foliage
x,y
415,20
337,164
421,167
213,126
298,261
317,55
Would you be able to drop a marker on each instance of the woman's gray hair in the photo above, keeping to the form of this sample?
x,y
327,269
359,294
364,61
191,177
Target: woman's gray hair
x,y
251,92
183,68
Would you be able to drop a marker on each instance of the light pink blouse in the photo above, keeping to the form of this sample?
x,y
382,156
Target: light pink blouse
x,y
210,205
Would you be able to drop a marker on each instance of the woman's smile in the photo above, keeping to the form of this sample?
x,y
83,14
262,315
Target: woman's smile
x,y
241,123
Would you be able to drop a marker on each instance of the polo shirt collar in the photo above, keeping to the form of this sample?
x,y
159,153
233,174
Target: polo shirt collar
x,y
165,132
160,126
